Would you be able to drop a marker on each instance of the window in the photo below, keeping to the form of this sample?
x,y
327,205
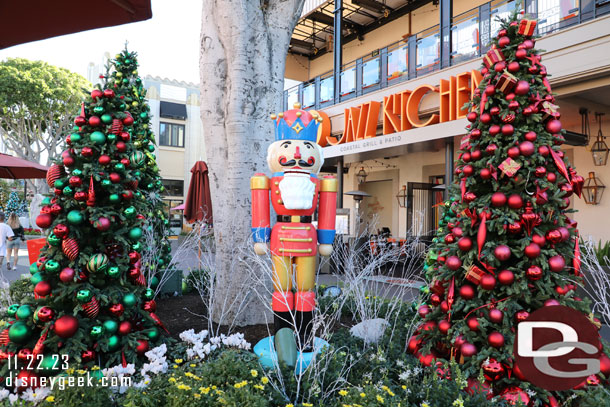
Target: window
x,y
171,134
173,187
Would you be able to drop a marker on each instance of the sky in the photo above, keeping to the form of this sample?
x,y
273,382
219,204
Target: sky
x,y
167,44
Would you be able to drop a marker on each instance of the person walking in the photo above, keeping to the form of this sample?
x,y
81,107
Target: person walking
x,y
14,244
5,233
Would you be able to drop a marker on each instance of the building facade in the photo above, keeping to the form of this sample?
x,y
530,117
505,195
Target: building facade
x,y
393,84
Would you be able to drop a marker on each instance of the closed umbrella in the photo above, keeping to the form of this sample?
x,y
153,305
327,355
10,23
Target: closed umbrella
x,y
17,168
32,20
198,205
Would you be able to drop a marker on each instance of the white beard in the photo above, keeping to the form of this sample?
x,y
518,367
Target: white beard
x,y
297,191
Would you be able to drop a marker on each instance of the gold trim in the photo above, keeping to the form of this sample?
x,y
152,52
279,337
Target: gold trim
x,y
276,183
296,227
294,239
279,201
277,191
259,182
328,184
295,219
295,250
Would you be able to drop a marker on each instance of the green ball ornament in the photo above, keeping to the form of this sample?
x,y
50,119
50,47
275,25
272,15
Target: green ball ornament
x,y
149,186
137,158
19,332
96,331
97,137
119,167
83,296
53,240
59,184
165,222
122,106
75,217
114,198
111,138
153,334
129,300
46,201
127,61
33,268
161,262
77,173
135,234
154,282
137,194
24,312
75,138
113,343
12,310
36,278
149,294
137,174
151,148
130,212
98,109
425,290
51,266
143,115
113,272
68,191
110,326
106,183
137,246
106,118
125,81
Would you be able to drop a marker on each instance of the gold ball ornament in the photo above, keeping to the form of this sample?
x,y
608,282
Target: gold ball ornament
x,y
134,103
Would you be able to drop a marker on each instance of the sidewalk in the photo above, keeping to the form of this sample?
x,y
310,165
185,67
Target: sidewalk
x,y
23,266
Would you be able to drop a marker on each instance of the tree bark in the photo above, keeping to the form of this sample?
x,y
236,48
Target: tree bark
x,y
243,51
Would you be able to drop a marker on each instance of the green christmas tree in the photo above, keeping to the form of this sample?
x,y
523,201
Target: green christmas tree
x,y
91,301
123,78
15,205
505,247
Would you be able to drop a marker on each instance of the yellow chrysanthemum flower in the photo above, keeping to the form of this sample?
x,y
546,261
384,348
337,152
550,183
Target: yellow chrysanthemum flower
x,y
265,380
380,399
363,395
343,392
178,361
50,399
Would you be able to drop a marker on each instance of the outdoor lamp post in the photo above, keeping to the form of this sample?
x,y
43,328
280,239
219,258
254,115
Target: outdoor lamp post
x,y
402,197
600,150
593,190
362,174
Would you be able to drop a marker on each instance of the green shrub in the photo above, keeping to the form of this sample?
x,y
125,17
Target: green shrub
x,y
21,291
196,279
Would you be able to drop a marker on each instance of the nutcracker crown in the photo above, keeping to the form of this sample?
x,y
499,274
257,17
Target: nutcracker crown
x,y
297,124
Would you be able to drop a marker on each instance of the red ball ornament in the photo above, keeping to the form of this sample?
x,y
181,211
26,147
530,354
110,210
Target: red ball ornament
x,y
502,252
468,170
125,328
471,116
121,146
150,306
515,228
116,309
468,349
491,149
102,224
422,310
604,364
115,178
127,195
553,236
67,275
498,199
515,201
513,105
485,118
494,111
520,54
496,316
94,121
125,136
490,90
533,273
567,190
526,148
80,196
476,155
414,344
522,88
142,347
66,326
513,152
444,326
42,288
488,282
551,177
492,370
495,339
494,130
87,356
565,233
485,173
465,244
532,250
467,292
86,152
507,130
61,231
521,316
506,277
45,314
500,66
128,121
539,240
96,94
503,42
513,67
453,263
540,172
553,126
104,160
44,220
473,323
557,263
466,157
514,395
108,93
80,121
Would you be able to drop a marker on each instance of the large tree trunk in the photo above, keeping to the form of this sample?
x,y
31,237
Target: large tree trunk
x,y
243,51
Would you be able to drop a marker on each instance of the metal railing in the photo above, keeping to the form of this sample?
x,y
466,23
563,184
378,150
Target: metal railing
x,y
471,34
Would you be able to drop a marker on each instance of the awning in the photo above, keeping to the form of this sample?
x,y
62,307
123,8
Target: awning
x,y
172,110
33,20
18,168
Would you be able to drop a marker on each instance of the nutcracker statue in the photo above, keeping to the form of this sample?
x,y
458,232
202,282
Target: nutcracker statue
x,y
295,192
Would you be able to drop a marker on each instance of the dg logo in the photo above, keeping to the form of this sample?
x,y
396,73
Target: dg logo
x,y
557,348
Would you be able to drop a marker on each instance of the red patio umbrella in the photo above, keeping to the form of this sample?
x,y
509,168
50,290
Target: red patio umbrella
x,y
32,20
198,205
18,168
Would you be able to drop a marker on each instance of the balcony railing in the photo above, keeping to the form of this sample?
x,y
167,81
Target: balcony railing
x,y
471,34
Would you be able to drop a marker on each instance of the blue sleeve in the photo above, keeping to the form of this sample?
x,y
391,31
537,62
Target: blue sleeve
x,y
261,235
326,236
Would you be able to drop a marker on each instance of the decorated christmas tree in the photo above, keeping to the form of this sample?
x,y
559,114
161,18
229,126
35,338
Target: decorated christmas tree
x,y
506,246
91,300
122,77
15,204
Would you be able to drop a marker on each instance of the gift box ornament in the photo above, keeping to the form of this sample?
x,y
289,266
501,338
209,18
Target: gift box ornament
x,y
493,55
465,143
527,27
474,274
549,110
506,82
509,167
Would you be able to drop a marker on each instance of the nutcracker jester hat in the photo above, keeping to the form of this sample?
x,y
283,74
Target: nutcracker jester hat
x,y
297,124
